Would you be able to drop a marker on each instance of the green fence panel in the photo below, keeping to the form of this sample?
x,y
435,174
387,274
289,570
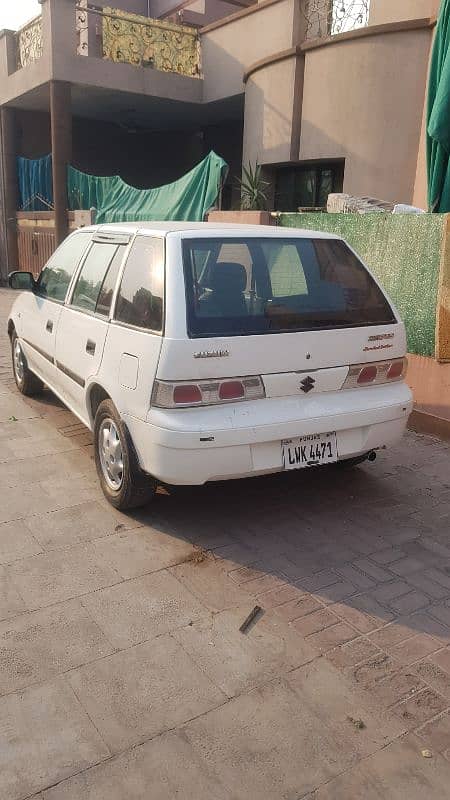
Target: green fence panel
x,y
403,251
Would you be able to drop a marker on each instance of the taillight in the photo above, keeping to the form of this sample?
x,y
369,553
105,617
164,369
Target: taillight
x,y
186,395
375,373
231,390
179,394
367,375
396,370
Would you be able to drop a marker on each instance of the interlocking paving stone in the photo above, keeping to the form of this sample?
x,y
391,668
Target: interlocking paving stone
x,y
289,736
381,776
45,736
140,609
11,603
60,575
16,542
237,662
42,644
135,694
163,769
77,524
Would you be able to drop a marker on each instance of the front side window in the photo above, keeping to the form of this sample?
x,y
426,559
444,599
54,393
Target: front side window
x,y
55,278
141,294
270,285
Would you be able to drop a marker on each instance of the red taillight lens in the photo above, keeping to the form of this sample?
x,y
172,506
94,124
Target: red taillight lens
x,y
173,394
231,390
186,393
395,370
376,373
367,374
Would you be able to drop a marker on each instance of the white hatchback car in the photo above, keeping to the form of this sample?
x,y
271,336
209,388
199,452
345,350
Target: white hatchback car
x,y
198,352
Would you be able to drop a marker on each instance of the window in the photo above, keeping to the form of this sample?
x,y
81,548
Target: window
x,y
307,185
287,275
55,278
280,284
141,293
92,275
105,296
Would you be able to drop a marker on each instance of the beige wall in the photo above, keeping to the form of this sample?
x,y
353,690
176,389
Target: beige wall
x,y
269,100
229,49
363,100
382,11
61,62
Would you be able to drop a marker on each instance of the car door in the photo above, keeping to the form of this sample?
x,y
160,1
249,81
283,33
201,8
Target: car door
x,y
135,333
83,324
42,308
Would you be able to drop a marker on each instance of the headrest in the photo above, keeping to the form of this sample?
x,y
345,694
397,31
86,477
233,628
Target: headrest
x,y
228,277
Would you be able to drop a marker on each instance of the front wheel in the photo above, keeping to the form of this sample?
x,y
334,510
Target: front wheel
x,y
123,483
26,381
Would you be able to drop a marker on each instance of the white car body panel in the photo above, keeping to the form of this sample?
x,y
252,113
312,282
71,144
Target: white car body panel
x,y
37,328
195,445
79,350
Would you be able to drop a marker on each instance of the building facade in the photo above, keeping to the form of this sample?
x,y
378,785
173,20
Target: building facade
x,y
324,104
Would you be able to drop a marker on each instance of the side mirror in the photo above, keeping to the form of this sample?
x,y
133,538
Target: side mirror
x,y
23,281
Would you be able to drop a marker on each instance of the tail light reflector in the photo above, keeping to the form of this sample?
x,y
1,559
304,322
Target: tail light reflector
x,y
367,374
396,370
231,390
183,394
375,373
186,394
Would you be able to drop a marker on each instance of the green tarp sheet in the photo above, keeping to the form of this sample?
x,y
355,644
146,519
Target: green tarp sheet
x,y
438,122
188,198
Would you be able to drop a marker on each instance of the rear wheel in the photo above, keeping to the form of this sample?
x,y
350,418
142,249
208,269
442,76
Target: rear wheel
x,y
123,483
26,382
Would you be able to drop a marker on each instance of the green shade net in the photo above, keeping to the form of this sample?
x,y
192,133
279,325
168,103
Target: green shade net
x,y
438,120
188,198
403,251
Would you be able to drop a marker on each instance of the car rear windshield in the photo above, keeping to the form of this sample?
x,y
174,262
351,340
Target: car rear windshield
x,y
267,285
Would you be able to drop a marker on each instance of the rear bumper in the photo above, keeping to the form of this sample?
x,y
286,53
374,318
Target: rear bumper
x,y
193,446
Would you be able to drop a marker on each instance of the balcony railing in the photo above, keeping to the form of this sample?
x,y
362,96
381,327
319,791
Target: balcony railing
x,y
128,38
329,17
29,43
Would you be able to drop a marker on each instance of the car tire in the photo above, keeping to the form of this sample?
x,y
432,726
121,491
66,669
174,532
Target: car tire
x,y
26,381
123,483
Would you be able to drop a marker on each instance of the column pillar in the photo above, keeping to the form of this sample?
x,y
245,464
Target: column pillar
x,y
9,191
61,125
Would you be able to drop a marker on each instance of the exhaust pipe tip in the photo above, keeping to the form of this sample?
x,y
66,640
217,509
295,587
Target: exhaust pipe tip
x,y
372,456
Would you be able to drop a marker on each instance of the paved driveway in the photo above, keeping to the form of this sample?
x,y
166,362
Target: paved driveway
x,y
123,674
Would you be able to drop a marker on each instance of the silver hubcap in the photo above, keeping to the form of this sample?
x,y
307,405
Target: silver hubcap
x,y
111,456
19,366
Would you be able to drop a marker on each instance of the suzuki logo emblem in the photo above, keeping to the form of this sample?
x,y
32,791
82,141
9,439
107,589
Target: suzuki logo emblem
x,y
307,384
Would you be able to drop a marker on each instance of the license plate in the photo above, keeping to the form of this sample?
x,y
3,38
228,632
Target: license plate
x,y
309,451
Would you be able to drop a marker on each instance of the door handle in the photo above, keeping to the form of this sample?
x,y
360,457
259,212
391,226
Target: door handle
x,y
90,347
49,326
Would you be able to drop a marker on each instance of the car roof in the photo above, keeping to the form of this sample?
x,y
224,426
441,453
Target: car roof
x,y
204,228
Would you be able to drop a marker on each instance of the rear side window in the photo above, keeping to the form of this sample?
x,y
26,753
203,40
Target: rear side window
x,y
269,285
55,278
105,296
92,275
141,293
